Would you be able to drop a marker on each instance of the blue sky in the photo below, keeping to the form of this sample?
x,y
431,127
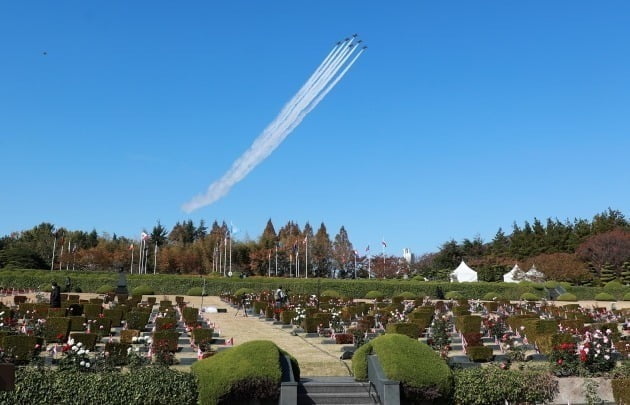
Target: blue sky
x,y
460,118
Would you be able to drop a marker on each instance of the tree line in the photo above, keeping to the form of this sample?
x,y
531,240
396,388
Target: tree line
x,y
578,251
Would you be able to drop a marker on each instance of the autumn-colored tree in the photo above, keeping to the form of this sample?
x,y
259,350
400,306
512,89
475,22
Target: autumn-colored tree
x,y
343,252
560,267
612,247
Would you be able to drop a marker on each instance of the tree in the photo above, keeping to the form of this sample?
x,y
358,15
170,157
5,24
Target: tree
x,y
560,267
612,248
322,249
449,256
343,252
500,244
158,234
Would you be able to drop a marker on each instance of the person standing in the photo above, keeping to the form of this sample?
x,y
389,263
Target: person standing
x,y
55,296
68,285
280,297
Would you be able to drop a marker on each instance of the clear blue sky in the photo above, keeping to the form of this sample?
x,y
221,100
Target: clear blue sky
x,y
461,117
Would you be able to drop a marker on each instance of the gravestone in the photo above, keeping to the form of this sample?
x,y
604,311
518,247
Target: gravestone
x,y
121,288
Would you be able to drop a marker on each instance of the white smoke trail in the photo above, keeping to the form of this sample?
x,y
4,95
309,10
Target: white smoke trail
x,y
323,79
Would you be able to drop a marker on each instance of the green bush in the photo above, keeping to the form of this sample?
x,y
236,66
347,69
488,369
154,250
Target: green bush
x,y
373,295
88,340
604,297
190,315
493,386
621,390
196,292
408,329
56,329
491,296
118,353
92,311
77,323
106,288
242,291
479,353
613,285
167,338
626,296
143,290
454,295
468,323
550,284
245,372
422,373
101,326
148,385
566,297
116,315
137,320
165,323
407,295
22,347
202,337
529,297
330,294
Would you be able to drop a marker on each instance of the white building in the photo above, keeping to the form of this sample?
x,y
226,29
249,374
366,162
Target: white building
x,y
408,256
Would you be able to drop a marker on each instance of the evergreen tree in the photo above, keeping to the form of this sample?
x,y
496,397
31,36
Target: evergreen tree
x,y
607,273
343,252
158,234
500,244
625,273
322,249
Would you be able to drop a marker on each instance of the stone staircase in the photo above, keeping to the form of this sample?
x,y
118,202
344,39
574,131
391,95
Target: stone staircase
x,y
334,390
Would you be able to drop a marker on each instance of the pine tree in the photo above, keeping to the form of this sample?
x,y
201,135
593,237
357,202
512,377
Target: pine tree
x,y
607,273
625,273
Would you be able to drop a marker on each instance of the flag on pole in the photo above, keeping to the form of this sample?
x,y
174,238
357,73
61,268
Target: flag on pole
x,y
131,247
144,236
384,244
295,247
233,229
305,241
367,249
356,253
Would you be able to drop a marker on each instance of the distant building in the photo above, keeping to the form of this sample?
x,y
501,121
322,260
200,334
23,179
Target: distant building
x,y
408,256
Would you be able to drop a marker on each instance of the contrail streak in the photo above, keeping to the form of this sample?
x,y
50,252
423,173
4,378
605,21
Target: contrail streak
x,y
329,72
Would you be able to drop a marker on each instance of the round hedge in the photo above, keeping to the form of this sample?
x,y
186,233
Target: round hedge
x,y
242,291
604,297
407,295
492,296
196,292
529,297
551,284
330,294
372,295
143,290
453,295
626,296
566,297
106,288
613,285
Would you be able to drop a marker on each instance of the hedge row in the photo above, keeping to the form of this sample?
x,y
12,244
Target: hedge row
x,y
215,285
149,385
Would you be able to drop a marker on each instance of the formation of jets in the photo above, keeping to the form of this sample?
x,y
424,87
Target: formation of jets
x,y
351,45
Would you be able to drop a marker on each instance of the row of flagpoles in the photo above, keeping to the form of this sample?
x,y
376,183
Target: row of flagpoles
x,y
144,253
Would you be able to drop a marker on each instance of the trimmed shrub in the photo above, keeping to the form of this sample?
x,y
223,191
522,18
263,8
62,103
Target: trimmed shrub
x,y
408,329
491,296
604,297
117,353
566,297
286,316
56,330
168,338
493,386
529,297
143,290
374,295
242,291
77,323
460,310
106,288
407,295
245,372
626,296
330,294
137,320
196,292
56,312
92,311
613,285
310,324
203,337
550,284
424,376
165,323
344,338
154,385
621,390
101,326
190,315
479,353
127,335
22,347
454,295
468,323
88,340
115,315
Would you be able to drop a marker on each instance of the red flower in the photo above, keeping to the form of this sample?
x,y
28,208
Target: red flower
x,y
560,361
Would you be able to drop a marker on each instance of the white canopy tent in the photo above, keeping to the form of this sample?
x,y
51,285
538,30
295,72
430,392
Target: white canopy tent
x,y
534,275
513,276
463,273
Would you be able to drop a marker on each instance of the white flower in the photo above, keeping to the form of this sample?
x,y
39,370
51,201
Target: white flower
x,y
87,365
607,357
75,348
71,341
1,313
81,352
128,350
87,351
134,339
79,344
82,363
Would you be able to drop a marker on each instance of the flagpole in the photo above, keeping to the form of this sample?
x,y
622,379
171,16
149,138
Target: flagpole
x,y
297,262
155,258
225,256
61,254
269,262
68,262
276,259
230,252
52,263
131,268
306,259
355,266
220,269
140,258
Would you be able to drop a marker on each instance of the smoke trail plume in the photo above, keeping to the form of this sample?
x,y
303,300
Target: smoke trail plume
x,y
324,78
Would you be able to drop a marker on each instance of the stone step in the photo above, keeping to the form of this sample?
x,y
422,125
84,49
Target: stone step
x,y
334,398
333,387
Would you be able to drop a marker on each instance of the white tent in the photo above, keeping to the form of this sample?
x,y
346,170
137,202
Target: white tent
x,y
534,275
463,273
513,276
